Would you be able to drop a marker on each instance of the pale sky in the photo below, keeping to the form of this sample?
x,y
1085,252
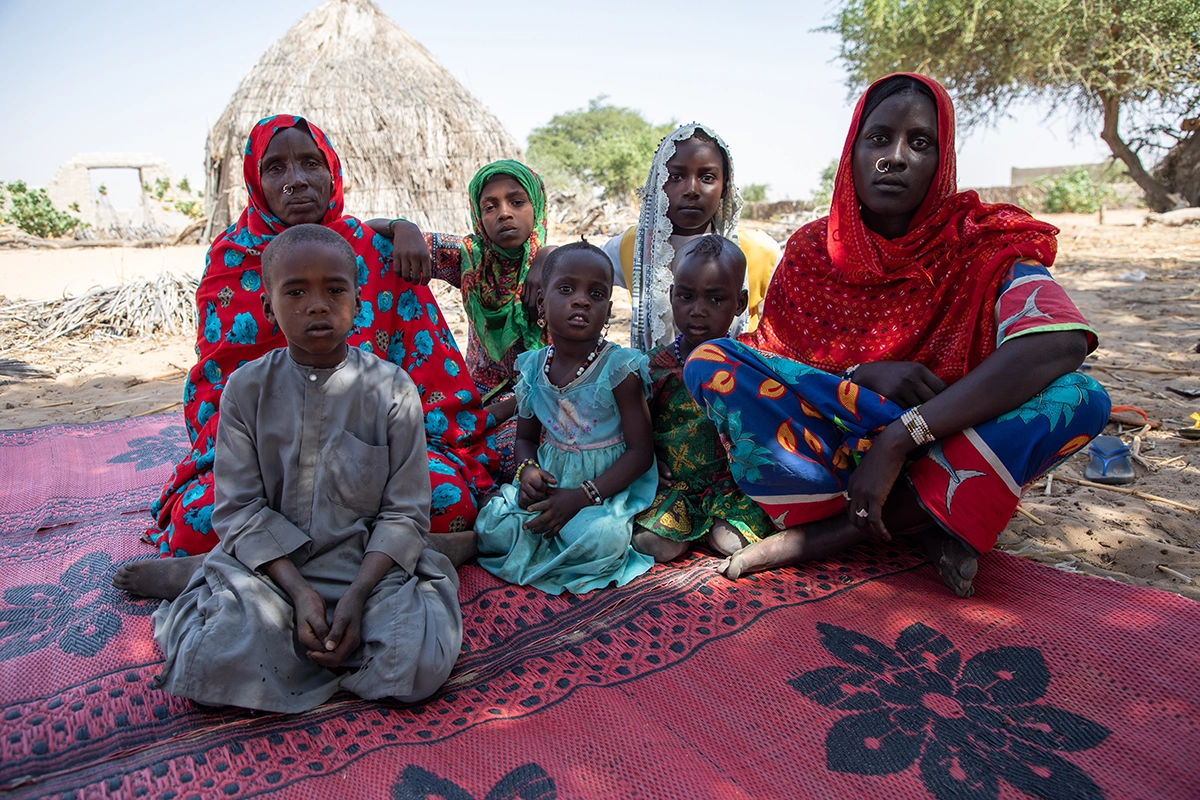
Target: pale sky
x,y
153,75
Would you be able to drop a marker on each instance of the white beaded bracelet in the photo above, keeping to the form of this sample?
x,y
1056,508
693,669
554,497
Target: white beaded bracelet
x,y
916,426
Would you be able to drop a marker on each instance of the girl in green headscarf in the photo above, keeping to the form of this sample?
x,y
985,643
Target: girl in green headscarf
x,y
497,267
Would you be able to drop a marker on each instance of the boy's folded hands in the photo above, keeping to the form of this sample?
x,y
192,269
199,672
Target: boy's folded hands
x,y
345,635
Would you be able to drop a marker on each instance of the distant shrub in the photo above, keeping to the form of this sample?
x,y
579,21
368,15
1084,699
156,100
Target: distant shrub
x,y
1073,192
31,211
755,192
823,196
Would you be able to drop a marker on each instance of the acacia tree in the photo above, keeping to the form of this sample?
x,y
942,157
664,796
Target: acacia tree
x,y
601,145
1132,67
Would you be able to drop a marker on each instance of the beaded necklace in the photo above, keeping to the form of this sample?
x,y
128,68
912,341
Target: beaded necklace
x,y
678,357
587,362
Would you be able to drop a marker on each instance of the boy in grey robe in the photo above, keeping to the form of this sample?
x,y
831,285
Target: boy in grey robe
x,y
323,580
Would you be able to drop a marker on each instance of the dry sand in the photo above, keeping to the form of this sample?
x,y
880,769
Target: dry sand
x,y
1152,323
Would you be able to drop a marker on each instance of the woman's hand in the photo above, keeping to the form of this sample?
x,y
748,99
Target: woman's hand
x,y
410,254
559,508
905,383
502,411
535,486
873,479
345,634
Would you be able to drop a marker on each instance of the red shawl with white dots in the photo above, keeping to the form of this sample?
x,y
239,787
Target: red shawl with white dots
x,y
844,295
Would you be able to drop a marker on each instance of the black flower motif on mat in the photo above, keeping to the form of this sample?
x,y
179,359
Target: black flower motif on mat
x,y
528,782
81,613
965,726
167,447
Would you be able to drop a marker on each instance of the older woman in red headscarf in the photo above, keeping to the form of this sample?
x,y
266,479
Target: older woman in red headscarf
x,y
915,366
294,176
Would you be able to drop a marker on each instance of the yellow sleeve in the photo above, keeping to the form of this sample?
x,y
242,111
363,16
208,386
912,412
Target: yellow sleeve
x,y
762,254
628,243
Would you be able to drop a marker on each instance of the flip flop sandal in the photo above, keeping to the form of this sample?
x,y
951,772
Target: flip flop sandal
x,y
1132,417
1110,462
1192,432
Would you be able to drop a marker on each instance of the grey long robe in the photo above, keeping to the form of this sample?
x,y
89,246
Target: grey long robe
x,y
322,466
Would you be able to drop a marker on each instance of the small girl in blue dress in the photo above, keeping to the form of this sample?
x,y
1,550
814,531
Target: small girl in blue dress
x,y
567,520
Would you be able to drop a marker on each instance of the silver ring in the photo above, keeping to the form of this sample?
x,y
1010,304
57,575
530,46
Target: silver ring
x,y
861,513
886,165
287,189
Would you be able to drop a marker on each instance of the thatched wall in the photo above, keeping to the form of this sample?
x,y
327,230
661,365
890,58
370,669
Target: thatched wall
x,y
409,135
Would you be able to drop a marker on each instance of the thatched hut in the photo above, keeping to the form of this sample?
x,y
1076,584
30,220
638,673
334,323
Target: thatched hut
x,y
409,135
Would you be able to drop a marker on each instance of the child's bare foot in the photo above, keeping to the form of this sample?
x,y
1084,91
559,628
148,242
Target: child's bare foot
x,y
725,539
458,546
955,562
799,543
163,578
655,546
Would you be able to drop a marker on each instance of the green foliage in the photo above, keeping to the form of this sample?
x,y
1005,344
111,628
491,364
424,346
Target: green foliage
x,y
823,196
755,192
161,187
192,208
1073,192
184,186
31,211
1132,65
601,145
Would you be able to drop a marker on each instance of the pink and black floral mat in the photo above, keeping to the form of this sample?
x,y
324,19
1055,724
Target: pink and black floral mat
x,y
861,677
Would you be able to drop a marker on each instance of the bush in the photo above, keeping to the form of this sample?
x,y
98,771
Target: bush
x,y
601,145
823,196
1072,192
32,212
755,192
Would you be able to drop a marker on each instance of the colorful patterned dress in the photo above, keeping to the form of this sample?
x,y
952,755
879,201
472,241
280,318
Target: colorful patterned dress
x,y
399,321
582,439
964,279
703,490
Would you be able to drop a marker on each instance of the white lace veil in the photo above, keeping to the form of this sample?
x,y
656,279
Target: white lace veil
x,y
653,254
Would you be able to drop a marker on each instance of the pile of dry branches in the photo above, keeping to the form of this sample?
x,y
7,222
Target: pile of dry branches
x,y
166,304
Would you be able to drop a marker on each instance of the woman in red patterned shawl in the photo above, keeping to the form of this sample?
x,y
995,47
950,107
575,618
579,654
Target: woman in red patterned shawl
x,y
915,366
294,176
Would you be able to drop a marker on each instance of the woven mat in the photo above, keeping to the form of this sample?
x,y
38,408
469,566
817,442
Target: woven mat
x,y
861,677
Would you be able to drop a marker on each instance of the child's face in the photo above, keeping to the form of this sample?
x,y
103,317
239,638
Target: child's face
x,y
705,299
695,183
576,301
313,299
506,212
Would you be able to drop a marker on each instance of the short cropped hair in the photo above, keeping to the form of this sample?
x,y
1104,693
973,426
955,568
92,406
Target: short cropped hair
x,y
714,247
304,234
559,253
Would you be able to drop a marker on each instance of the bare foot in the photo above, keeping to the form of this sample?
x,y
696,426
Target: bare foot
x,y
655,546
458,546
163,578
724,538
799,543
955,562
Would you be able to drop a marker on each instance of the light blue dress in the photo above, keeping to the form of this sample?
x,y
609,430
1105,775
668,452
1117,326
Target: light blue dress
x,y
583,438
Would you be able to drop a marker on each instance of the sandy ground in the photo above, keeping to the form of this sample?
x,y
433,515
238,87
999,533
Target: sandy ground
x,y
1149,322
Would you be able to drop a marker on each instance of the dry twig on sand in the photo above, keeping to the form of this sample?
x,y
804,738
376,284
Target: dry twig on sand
x,y
1136,493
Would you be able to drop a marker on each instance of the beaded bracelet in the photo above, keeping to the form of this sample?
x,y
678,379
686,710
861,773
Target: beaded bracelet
x,y
593,494
529,462
393,222
917,427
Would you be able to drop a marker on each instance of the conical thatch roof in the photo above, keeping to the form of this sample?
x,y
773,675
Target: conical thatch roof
x,y
409,135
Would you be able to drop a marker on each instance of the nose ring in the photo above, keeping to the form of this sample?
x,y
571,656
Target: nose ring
x,y
287,188
886,166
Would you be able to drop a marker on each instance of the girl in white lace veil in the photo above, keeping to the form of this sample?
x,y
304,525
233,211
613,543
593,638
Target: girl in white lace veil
x,y
654,254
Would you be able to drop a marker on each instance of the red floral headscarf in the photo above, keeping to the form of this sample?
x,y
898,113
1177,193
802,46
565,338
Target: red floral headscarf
x,y
843,294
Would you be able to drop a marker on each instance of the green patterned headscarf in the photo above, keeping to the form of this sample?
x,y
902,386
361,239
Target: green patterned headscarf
x,y
492,277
